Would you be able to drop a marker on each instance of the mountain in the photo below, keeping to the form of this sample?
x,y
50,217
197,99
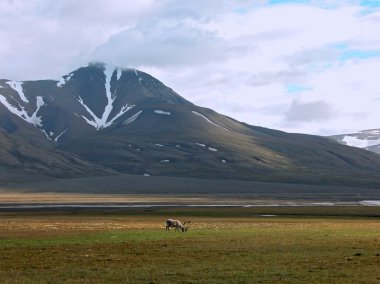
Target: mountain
x,y
101,120
365,139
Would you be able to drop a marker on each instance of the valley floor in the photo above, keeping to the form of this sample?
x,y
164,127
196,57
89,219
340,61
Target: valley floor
x,y
223,245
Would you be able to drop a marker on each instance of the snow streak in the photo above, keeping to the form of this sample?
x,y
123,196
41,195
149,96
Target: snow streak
x,y
59,135
132,118
17,86
103,121
162,112
209,121
22,113
118,75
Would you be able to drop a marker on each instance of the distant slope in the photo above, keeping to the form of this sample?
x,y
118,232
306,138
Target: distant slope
x,y
365,139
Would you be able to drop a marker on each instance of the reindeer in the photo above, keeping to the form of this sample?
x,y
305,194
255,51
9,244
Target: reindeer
x,y
176,224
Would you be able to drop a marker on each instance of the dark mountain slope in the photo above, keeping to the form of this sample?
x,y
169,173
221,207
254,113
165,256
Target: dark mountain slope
x,y
126,120
25,159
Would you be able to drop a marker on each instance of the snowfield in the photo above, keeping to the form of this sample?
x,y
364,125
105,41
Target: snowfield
x,y
360,143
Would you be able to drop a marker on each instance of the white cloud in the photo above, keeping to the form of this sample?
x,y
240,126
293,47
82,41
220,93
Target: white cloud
x,y
165,44
303,112
240,58
46,38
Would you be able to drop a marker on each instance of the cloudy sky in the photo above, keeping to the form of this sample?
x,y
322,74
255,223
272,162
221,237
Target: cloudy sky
x,y
310,66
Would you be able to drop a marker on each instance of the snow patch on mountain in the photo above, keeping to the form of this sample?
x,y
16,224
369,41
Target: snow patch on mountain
x,y
137,75
108,71
118,74
46,134
17,86
95,122
22,113
375,131
100,123
123,110
132,118
59,135
50,135
208,120
64,79
212,149
105,121
360,143
158,111
366,139
34,119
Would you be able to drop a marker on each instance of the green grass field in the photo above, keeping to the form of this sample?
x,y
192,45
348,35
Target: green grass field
x,y
222,246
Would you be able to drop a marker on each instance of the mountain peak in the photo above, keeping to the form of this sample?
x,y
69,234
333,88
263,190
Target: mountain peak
x,y
119,81
128,121
98,95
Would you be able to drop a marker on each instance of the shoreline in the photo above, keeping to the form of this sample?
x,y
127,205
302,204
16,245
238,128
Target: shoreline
x,y
10,201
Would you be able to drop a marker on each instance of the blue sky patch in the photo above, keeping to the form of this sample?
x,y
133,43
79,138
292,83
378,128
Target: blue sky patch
x,y
340,45
358,54
241,11
369,6
276,2
297,88
370,3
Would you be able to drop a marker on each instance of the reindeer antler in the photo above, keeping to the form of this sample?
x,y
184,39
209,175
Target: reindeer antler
x,y
186,227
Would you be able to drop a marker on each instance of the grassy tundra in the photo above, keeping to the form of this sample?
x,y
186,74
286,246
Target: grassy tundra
x,y
223,245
